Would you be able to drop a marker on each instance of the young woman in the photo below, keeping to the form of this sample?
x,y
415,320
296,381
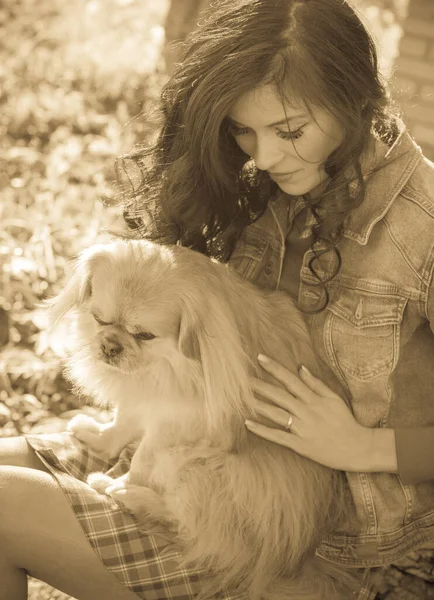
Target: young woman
x,y
279,153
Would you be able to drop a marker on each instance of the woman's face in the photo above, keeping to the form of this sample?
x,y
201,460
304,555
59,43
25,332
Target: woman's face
x,y
294,151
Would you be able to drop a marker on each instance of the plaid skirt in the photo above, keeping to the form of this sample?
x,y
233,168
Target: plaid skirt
x,y
148,564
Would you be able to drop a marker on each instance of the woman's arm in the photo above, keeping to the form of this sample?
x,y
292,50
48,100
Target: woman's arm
x,y
381,456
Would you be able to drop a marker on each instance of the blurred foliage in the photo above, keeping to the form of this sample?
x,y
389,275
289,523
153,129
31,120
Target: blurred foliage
x,y
74,80
397,7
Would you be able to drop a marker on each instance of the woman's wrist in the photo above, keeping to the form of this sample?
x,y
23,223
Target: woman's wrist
x,y
380,453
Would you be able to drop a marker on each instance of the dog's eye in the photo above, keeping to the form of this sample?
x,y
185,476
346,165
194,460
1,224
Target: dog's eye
x,y
144,336
99,320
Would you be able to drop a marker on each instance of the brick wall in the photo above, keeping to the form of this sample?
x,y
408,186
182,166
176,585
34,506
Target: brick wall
x,y
414,73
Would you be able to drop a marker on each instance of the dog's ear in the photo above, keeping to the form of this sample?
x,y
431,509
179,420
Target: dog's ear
x,y
209,334
188,340
78,288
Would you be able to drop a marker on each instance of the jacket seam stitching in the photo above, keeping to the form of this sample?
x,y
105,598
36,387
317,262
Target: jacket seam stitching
x,y
402,252
414,199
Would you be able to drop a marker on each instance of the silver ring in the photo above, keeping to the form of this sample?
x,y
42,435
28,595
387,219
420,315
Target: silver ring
x,y
289,423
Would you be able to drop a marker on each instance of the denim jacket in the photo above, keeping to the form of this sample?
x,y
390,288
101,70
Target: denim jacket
x,y
374,335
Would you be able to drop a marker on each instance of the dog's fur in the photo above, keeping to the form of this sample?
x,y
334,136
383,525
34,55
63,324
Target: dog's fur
x,y
249,511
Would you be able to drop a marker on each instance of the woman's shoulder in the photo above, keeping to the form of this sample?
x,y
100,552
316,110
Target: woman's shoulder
x,y
406,178
399,186
419,187
398,207
408,172
410,220
415,197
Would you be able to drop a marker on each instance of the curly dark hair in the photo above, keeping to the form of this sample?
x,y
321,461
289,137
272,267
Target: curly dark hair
x,y
198,188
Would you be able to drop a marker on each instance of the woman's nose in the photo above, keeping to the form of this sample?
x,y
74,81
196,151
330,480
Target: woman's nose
x,y
266,153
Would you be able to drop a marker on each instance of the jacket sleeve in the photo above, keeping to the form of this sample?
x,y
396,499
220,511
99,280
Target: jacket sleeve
x,y
415,445
415,454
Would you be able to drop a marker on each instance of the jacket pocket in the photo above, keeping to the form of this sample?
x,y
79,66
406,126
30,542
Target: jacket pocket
x,y
249,255
365,332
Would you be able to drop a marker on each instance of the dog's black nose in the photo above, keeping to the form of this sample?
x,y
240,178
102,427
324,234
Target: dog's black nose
x,y
111,347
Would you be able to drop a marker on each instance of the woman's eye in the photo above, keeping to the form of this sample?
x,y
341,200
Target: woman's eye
x,y
144,336
291,135
286,135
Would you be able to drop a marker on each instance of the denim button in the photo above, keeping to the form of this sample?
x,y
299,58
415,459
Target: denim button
x,y
269,268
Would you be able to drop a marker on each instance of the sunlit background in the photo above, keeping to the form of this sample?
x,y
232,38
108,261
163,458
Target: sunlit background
x,y
75,77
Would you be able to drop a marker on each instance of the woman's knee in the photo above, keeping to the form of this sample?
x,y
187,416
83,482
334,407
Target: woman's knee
x,y
17,452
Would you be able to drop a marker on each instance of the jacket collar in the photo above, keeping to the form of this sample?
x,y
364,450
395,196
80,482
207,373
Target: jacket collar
x,y
383,186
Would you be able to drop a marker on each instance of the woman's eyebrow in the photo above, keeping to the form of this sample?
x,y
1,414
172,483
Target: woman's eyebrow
x,y
282,122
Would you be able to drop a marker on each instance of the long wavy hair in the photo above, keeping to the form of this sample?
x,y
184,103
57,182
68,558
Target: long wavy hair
x,y
197,187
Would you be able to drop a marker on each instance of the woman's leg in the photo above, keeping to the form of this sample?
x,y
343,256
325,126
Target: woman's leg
x,y
16,452
40,536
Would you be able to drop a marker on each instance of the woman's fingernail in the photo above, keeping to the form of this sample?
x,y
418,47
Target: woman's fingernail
x,y
263,359
249,423
304,370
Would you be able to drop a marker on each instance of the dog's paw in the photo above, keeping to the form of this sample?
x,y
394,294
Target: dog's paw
x,y
94,435
83,423
117,484
131,497
100,482
86,429
142,502
117,491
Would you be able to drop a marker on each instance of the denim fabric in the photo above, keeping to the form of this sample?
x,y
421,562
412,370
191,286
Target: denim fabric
x,y
374,335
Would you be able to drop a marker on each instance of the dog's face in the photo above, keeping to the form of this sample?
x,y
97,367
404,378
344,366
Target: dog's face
x,y
128,311
125,329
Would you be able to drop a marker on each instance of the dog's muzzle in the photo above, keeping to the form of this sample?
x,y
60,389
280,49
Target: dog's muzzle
x,y
111,348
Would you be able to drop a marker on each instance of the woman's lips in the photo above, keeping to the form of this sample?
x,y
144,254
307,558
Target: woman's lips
x,y
282,176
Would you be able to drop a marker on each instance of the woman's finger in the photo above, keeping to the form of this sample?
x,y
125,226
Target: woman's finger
x,y
291,381
279,396
275,414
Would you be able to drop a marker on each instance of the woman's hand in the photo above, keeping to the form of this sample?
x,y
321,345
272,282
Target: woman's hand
x,y
322,428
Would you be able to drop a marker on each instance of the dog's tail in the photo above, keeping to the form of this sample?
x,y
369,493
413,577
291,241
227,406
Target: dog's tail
x,y
318,579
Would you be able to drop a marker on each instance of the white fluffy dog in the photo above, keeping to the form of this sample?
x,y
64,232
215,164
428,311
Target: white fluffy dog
x,y
169,338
